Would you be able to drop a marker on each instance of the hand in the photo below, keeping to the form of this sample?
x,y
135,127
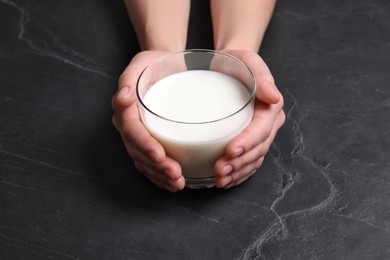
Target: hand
x,y
245,153
149,156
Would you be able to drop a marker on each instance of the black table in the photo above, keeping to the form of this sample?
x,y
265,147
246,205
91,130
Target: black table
x,y
69,191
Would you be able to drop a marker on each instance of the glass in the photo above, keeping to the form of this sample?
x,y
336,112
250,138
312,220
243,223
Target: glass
x,y
194,102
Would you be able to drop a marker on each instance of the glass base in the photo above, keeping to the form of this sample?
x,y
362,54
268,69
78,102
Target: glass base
x,y
202,183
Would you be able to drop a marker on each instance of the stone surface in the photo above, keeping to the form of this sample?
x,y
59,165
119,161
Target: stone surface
x,y
69,191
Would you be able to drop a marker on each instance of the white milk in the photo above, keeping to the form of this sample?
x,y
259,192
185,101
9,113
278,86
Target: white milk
x,y
192,97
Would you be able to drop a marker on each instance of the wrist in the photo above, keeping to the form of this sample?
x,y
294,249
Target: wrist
x,y
162,43
162,47
236,41
237,46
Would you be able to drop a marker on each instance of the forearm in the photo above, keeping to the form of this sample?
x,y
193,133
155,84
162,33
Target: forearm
x,y
160,24
240,24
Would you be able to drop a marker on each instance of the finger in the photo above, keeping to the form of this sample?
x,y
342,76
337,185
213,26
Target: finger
x,y
135,147
266,89
137,64
239,181
134,131
241,161
239,177
127,120
248,162
160,179
259,150
122,99
227,164
257,132
169,167
151,174
179,183
128,80
247,170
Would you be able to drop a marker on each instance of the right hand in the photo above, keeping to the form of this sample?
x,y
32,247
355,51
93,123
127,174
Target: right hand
x,y
148,155
245,153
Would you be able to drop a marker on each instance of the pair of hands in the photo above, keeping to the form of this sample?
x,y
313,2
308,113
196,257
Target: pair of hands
x,y
244,154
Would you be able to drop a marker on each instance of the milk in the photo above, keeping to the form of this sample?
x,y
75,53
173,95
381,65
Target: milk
x,y
199,112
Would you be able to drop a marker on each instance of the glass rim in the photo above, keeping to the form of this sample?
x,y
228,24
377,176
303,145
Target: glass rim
x,y
250,98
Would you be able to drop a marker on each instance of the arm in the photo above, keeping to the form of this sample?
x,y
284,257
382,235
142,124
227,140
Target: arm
x,y
161,26
239,28
240,25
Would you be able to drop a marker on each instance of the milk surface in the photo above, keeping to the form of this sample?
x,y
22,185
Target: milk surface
x,y
199,112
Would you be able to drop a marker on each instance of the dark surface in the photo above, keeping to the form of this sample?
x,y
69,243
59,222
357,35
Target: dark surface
x,y
69,191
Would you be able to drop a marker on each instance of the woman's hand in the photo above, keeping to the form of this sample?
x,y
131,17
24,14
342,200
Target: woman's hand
x,y
149,156
245,153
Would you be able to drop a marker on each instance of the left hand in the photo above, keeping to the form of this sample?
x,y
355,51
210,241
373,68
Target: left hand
x,y
245,153
148,154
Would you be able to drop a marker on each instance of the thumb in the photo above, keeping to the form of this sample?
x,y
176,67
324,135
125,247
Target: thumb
x,y
267,92
266,89
127,82
123,98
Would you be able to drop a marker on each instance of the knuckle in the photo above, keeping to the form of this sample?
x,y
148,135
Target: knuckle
x,y
239,163
238,175
132,153
250,136
122,79
261,150
258,163
146,141
268,79
266,130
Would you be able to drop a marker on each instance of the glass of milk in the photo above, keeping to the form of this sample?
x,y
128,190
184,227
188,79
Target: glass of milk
x,y
194,102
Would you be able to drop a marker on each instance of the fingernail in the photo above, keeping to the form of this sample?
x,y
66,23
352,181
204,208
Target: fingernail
x,y
180,183
230,185
170,188
227,169
237,152
226,180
